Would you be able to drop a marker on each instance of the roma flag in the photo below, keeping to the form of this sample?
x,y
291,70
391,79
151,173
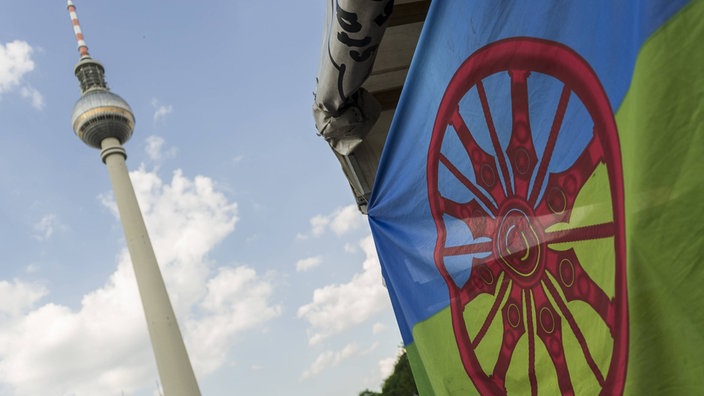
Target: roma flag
x,y
539,206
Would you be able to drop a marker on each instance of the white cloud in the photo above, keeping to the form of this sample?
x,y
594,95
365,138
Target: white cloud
x,y
106,337
309,263
34,96
45,228
34,347
236,300
15,62
340,222
338,307
378,328
236,160
319,224
31,268
386,366
155,149
330,359
19,296
186,218
161,111
346,219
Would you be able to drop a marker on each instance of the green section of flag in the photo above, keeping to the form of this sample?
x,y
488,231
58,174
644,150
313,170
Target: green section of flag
x,y
661,127
436,358
420,376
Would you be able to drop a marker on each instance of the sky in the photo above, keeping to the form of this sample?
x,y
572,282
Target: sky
x,y
270,267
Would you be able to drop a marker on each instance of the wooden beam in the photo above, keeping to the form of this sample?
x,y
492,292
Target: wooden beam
x,y
388,99
409,13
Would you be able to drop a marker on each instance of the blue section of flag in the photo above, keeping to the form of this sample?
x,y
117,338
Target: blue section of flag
x,y
606,33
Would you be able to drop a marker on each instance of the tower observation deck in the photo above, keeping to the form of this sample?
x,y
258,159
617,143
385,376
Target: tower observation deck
x,y
99,113
103,120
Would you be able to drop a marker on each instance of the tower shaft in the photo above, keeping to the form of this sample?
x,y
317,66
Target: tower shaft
x,y
172,360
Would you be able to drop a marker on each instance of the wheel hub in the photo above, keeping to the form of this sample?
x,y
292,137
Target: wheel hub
x,y
519,243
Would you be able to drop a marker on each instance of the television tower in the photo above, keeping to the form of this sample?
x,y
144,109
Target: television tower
x,y
103,120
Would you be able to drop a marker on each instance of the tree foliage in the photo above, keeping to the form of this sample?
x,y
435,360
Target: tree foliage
x,y
399,383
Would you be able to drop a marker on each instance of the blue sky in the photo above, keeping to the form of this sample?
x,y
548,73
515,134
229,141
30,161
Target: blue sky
x,y
270,267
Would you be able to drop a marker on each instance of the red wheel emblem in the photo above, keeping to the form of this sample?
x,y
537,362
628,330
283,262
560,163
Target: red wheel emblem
x,y
535,306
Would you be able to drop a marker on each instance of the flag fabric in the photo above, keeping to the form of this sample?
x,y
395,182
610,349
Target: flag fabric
x,y
539,206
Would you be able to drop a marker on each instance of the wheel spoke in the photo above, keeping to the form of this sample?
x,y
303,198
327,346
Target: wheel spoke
x,y
547,283
531,343
492,312
494,136
486,174
521,151
576,284
514,328
595,231
472,214
550,145
484,278
470,248
562,188
467,183
549,330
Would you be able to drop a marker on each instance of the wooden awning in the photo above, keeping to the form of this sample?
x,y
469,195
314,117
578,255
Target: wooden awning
x,y
385,76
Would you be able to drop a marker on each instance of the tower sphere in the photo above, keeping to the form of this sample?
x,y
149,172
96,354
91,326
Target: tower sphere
x,y
100,114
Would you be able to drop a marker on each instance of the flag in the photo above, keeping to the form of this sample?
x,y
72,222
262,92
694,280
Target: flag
x,y
538,207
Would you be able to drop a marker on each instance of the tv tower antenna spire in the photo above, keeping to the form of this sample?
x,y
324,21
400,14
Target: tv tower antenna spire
x,y
103,120
82,47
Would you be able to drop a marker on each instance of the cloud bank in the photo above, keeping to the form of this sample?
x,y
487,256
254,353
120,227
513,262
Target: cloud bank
x,y
106,338
337,307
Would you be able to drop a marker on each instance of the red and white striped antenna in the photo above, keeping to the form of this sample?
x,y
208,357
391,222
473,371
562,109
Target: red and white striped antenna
x,y
82,47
